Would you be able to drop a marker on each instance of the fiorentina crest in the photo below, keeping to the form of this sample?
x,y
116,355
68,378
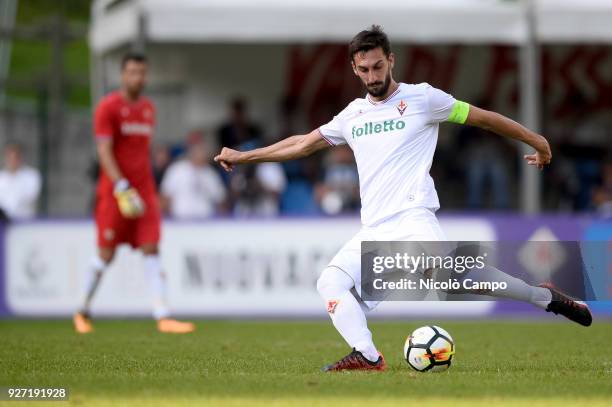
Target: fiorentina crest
x,y
401,107
331,306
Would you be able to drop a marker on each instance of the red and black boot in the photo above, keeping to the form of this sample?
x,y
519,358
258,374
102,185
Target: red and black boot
x,y
570,308
356,361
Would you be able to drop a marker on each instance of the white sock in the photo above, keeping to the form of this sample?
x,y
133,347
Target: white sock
x,y
157,280
96,269
346,314
516,289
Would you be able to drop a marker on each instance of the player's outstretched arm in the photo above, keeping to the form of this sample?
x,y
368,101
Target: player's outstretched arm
x,y
291,148
504,126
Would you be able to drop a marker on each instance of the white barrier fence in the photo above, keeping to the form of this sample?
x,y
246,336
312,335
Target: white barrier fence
x,y
217,268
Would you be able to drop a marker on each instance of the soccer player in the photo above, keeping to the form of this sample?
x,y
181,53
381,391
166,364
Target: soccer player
x,y
127,207
393,132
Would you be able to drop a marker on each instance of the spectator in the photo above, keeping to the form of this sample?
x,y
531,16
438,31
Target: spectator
x,y
583,145
256,189
340,189
485,160
587,148
602,195
238,129
298,196
302,175
161,161
192,188
19,185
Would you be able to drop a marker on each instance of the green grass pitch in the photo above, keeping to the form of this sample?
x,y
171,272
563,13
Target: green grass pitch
x,y
237,363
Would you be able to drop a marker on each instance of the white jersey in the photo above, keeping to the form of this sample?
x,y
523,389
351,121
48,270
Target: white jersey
x,y
394,141
194,191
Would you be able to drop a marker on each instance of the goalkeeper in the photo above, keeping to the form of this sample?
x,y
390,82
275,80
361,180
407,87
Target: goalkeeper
x,y
127,209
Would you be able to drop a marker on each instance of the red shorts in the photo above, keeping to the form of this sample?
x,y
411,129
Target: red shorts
x,y
113,229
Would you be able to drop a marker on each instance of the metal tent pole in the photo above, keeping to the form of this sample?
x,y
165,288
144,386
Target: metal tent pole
x,y
530,110
8,13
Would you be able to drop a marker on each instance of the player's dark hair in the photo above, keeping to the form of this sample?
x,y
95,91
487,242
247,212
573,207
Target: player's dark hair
x,y
370,39
133,56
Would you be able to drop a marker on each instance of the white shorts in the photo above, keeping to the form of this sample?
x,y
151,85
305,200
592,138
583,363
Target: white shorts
x,y
416,224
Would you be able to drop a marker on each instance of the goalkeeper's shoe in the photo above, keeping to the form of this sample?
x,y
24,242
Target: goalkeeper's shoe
x,y
570,308
356,361
129,201
172,326
82,323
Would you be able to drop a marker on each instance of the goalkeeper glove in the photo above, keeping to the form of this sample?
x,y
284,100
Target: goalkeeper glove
x,y
129,201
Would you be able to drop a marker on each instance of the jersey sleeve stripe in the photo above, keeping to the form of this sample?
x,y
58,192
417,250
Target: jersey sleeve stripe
x,y
325,138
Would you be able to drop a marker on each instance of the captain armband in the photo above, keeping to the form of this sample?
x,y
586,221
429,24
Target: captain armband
x,y
460,111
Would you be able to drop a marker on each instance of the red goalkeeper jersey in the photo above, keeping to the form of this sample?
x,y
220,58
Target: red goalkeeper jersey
x,y
130,126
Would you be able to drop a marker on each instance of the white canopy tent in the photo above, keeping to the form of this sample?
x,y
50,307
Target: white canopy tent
x,y
307,20
573,21
524,23
115,23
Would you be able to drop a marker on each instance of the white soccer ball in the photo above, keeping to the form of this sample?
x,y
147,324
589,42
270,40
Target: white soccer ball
x,y
429,349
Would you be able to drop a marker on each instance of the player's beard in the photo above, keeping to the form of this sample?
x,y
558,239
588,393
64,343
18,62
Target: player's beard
x,y
133,90
379,89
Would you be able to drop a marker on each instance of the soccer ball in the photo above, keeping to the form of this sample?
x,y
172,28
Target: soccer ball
x,y
429,348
